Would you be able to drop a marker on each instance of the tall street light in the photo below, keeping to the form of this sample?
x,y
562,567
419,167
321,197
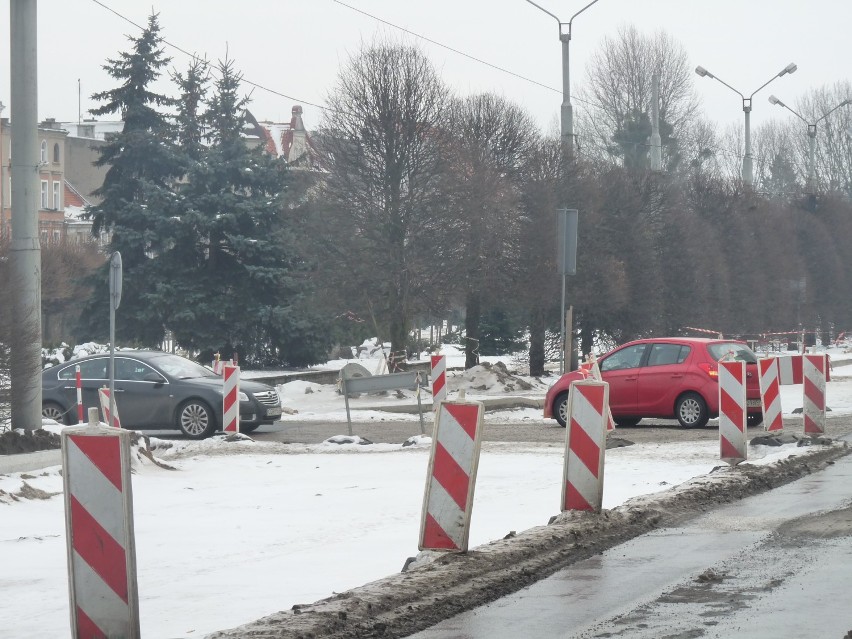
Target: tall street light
x,y
812,131
567,114
748,175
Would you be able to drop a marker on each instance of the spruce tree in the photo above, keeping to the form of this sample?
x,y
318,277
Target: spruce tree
x,y
236,272
142,167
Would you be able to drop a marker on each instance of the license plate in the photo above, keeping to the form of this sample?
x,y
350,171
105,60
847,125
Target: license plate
x,y
273,412
753,403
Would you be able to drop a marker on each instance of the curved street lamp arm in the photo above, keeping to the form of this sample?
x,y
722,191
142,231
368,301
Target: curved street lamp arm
x,y
718,79
551,15
762,85
796,113
578,13
842,104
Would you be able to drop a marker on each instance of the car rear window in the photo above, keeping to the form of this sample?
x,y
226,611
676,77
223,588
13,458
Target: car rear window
x,y
734,351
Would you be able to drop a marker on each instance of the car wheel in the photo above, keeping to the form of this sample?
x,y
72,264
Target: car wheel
x,y
51,410
754,419
195,419
560,409
249,429
691,411
627,421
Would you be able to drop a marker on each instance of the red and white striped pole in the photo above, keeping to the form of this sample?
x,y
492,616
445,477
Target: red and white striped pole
x,y
585,446
79,380
814,370
231,399
110,419
732,412
789,370
448,501
439,379
596,374
770,394
99,531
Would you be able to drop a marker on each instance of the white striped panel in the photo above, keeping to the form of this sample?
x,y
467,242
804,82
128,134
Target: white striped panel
x,y
96,493
785,370
733,386
446,512
584,481
440,366
587,416
455,440
771,411
105,608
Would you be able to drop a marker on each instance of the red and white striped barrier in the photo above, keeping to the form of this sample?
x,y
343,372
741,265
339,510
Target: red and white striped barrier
x,y
448,501
595,370
218,366
99,532
732,412
79,381
112,420
231,399
439,379
815,368
585,445
770,394
789,370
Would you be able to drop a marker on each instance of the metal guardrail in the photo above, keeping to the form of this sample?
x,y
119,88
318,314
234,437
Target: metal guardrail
x,y
411,380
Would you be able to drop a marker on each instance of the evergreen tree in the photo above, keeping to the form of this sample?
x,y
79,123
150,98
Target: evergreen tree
x,y
235,275
142,166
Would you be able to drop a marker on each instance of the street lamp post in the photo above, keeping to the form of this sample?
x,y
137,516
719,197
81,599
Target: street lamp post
x,y
748,174
812,131
567,113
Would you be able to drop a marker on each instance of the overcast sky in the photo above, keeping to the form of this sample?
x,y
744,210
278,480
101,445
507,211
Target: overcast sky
x,y
297,48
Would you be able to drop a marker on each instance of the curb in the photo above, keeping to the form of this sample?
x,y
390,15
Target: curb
x,y
24,462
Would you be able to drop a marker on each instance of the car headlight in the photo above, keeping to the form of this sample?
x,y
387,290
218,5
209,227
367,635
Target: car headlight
x,y
243,396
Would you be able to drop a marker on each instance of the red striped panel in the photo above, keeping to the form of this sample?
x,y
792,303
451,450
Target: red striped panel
x,y
98,549
435,537
813,393
574,500
105,454
585,447
86,628
466,415
729,451
811,426
450,475
731,408
771,394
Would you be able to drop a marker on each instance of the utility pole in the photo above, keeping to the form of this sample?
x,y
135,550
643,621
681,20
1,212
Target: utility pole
x,y
656,141
25,252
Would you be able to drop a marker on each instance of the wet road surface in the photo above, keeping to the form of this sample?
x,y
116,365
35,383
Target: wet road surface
x,y
775,565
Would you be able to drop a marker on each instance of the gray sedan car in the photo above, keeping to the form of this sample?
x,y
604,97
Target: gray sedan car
x,y
155,390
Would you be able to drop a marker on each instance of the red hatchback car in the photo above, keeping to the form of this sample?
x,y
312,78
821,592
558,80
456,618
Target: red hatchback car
x,y
666,377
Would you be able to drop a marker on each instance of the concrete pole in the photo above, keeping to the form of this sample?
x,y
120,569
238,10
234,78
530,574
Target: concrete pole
x,y
748,174
567,114
25,253
656,141
811,186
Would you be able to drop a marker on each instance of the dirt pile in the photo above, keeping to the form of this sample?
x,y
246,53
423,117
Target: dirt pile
x,y
13,442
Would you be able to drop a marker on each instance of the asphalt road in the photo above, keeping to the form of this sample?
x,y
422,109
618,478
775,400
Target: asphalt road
x,y
543,432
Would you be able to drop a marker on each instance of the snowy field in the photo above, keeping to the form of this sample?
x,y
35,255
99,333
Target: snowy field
x,y
243,529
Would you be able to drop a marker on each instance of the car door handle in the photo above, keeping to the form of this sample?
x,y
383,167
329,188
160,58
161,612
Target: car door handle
x,y
677,375
630,379
119,390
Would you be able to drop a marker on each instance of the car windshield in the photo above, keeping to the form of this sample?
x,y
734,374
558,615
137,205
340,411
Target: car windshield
x,y
732,351
182,368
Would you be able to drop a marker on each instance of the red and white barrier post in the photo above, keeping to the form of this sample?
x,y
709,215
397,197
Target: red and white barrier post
x,y
732,412
596,374
112,420
79,381
585,446
439,379
789,370
814,368
231,399
770,394
99,531
448,501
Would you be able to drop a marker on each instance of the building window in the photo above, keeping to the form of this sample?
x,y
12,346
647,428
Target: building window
x,y
43,155
44,194
56,158
43,237
57,195
56,237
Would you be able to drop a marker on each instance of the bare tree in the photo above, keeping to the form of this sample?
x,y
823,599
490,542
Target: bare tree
x,y
381,150
491,140
615,121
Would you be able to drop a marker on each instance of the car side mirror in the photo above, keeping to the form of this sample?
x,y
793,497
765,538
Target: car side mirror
x,y
153,377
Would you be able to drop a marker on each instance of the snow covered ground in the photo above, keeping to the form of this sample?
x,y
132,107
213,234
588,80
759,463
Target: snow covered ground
x,y
243,529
